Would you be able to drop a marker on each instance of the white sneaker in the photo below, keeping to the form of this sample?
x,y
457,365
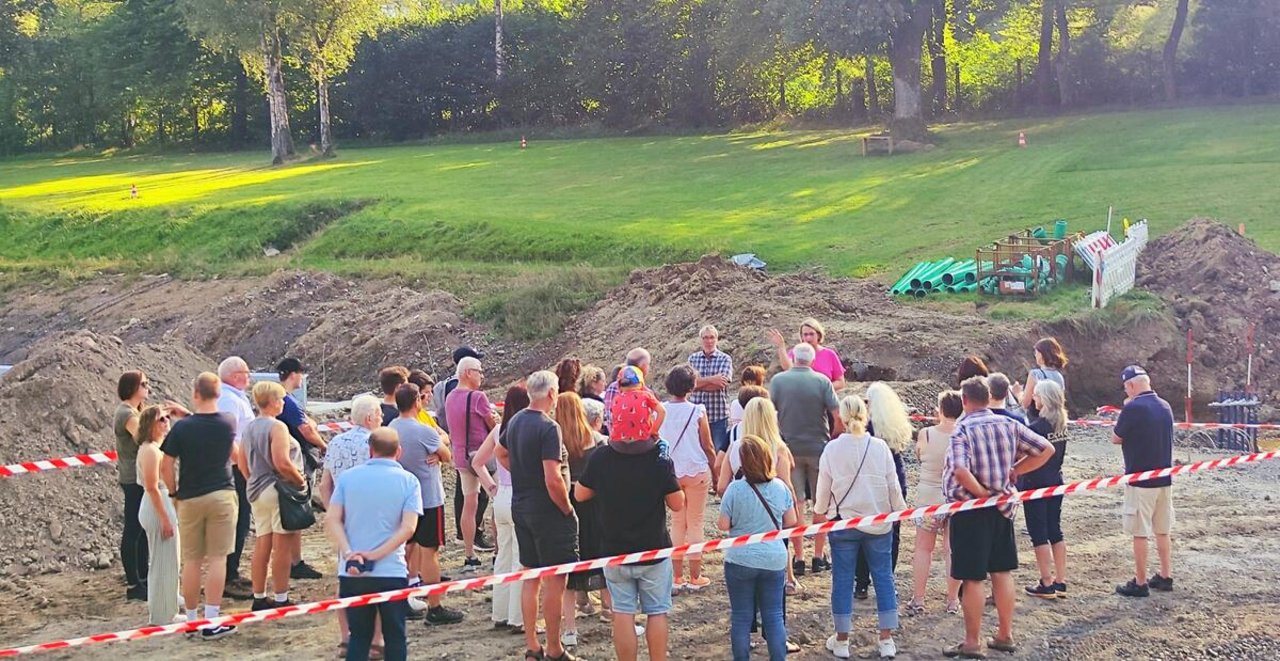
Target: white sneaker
x,y
416,605
569,639
639,629
840,648
888,650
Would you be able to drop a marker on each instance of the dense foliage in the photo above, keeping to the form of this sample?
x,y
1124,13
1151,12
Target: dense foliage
x,y
123,73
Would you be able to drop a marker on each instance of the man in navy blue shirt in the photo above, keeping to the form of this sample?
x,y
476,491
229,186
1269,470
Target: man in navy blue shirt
x,y
303,429
1144,433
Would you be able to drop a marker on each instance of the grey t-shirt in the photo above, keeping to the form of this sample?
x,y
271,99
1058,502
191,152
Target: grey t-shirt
x,y
255,441
126,447
803,398
417,443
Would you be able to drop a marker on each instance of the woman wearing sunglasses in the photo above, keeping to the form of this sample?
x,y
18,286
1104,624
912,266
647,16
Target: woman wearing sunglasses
x,y
158,518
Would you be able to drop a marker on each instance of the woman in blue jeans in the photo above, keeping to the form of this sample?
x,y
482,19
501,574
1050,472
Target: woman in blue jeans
x,y
756,574
857,477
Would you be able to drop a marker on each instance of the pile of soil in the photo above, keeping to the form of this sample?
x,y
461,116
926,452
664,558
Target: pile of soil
x,y
1218,284
662,310
344,330
58,402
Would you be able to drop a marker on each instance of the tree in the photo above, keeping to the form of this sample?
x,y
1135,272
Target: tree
x,y
1170,58
1044,55
1062,61
328,33
252,30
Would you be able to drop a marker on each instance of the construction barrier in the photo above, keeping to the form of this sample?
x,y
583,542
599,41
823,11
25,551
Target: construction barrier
x,y
632,558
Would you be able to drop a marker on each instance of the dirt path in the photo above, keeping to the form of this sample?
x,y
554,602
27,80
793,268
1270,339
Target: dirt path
x,y
1226,549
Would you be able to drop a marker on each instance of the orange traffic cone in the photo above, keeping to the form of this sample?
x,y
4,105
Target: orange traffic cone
x,y
523,143
1022,139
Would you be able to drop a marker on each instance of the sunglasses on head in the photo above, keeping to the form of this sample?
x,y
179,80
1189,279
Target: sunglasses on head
x,y
163,418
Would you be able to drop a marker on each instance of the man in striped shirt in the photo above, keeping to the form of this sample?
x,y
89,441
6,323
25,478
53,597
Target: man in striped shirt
x,y
987,453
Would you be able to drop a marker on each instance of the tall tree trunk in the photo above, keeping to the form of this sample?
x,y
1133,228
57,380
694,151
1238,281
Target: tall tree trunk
x,y
1044,72
1062,62
195,122
938,55
782,94
1171,52
905,45
858,90
873,94
161,132
240,106
498,59
281,139
322,100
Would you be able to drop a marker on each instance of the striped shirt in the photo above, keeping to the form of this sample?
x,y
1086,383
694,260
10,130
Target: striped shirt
x,y
988,445
716,401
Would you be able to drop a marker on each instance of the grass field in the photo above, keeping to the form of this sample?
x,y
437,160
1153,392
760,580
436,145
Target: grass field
x,y
473,214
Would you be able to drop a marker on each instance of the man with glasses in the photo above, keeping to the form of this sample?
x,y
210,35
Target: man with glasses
x,y
470,417
234,406
439,396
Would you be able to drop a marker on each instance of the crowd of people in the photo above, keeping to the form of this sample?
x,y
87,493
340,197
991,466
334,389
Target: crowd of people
x,y
579,464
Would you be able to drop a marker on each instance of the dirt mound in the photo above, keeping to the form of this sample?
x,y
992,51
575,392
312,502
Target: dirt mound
x,y
343,329
58,402
1218,284
662,309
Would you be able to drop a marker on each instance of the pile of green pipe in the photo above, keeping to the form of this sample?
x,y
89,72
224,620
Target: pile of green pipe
x,y
945,275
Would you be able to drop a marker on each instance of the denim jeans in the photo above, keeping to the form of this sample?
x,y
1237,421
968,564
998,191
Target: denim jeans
x,y
751,589
720,434
647,587
361,619
844,556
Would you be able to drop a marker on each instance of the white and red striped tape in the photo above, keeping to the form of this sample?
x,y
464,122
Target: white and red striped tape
x,y
631,558
51,464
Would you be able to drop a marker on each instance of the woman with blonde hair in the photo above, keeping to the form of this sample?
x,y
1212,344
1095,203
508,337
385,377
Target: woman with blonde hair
x,y
826,361
754,503
580,440
931,446
1044,516
1050,361
270,455
888,421
857,477
158,518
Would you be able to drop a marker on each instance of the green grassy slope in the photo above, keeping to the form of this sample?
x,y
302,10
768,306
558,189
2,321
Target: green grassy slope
x,y
796,198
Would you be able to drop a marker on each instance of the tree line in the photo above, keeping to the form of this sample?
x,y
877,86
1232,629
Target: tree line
x,y
234,73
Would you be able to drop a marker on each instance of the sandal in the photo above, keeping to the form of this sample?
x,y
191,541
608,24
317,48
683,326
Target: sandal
x,y
959,651
915,608
792,648
953,607
606,615
792,588
566,655
377,653
530,655
1002,645
342,650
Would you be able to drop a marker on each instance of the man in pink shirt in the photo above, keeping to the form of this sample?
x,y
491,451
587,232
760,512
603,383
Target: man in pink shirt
x,y
469,417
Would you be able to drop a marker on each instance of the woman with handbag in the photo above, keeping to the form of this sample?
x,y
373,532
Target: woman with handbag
x,y
756,575
272,461
857,477
688,436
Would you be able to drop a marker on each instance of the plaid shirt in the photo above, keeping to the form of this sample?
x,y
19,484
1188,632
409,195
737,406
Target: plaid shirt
x,y
988,445
717,402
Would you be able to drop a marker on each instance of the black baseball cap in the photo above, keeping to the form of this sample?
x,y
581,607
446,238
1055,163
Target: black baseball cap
x,y
289,366
466,352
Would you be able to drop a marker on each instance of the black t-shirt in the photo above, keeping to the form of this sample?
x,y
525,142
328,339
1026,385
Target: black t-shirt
x,y
631,490
202,445
389,413
1050,474
1145,428
530,438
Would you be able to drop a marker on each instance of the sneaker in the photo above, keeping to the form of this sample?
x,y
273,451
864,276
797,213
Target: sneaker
x,y
444,615
1061,589
888,649
1132,589
1042,591
821,565
261,604
695,584
236,591
861,592
302,570
416,605
677,586
483,545
1161,583
639,629
214,633
470,566
136,593
840,648
569,639
797,567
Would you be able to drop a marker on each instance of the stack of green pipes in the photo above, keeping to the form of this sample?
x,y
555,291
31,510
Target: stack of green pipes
x,y
952,277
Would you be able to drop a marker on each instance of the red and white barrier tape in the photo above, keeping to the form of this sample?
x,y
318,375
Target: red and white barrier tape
x,y
1179,425
644,556
64,462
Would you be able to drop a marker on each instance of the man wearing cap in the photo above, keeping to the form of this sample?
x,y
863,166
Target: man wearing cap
x,y
1144,433
439,398
303,429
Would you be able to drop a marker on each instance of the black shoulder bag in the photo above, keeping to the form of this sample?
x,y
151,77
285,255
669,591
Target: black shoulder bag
x,y
296,512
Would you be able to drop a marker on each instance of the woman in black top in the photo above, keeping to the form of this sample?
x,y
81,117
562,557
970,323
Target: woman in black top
x,y
1044,516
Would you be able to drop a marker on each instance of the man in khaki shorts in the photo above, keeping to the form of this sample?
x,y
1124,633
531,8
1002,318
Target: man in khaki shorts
x,y
1144,433
201,448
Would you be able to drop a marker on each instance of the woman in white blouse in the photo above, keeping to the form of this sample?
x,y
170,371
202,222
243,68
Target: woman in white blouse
x,y
857,477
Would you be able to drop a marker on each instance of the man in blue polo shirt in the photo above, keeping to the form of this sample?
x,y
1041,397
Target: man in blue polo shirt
x,y
373,511
1144,433
303,430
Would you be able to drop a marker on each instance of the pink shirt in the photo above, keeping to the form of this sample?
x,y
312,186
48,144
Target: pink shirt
x,y
457,414
827,363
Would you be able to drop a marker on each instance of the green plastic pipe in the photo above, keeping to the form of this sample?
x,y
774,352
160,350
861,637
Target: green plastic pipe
x,y
904,283
934,270
958,269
